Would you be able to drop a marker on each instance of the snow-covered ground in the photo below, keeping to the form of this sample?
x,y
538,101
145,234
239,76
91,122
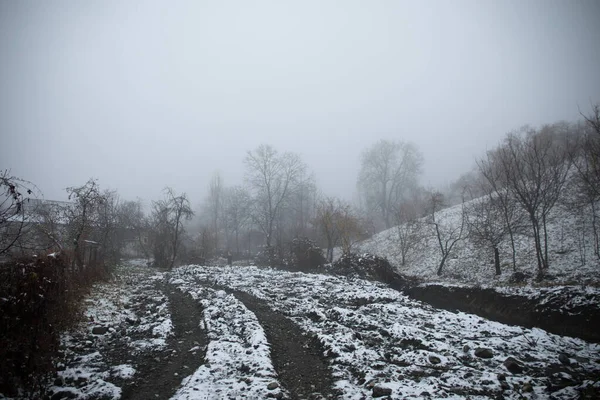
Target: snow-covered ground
x,y
377,339
238,363
473,265
87,370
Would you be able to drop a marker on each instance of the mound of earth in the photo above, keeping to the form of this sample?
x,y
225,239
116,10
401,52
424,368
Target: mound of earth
x,y
365,266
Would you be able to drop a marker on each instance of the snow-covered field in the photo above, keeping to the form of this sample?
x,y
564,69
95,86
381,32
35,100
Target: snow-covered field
x,y
376,337
374,340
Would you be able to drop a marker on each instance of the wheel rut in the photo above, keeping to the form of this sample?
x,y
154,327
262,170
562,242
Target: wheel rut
x,y
297,356
160,377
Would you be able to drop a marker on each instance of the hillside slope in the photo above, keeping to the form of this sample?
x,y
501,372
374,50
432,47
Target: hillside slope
x,y
470,264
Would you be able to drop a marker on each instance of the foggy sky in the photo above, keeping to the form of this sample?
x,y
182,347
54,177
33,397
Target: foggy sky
x,y
144,94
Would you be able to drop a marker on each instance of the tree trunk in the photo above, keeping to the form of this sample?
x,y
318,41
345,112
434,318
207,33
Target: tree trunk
x,y
513,247
538,245
546,261
497,260
595,230
439,271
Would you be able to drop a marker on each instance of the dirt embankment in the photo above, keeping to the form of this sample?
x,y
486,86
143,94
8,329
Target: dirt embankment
x,y
548,314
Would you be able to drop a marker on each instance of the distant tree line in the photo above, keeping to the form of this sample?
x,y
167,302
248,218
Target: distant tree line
x,y
512,193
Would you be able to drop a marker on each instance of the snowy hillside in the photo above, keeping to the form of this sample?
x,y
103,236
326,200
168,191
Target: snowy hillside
x,y
568,247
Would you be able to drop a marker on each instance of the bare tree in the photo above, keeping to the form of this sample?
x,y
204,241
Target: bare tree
x,y
302,206
447,234
388,171
487,225
329,210
15,194
409,228
133,219
215,205
236,213
585,184
535,165
83,216
492,172
271,178
168,217
350,228
593,119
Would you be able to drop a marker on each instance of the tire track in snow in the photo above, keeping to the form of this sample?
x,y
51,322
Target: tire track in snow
x,y
160,378
297,357
238,356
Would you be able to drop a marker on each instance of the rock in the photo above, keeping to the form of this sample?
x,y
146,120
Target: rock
x,y
244,368
434,359
99,330
380,391
378,366
564,359
466,348
272,385
501,377
513,365
349,347
527,388
371,384
81,381
482,352
59,381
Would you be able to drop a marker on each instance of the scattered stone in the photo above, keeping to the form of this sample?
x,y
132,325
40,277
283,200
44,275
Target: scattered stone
x,y
349,347
59,381
564,359
513,365
378,366
244,368
380,391
434,359
482,352
466,348
81,381
371,384
501,377
527,388
99,330
272,386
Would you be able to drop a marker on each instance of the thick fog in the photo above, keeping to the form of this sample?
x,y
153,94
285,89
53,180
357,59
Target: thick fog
x,y
144,94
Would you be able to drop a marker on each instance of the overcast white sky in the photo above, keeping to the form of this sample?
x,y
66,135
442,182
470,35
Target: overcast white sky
x,y
144,94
